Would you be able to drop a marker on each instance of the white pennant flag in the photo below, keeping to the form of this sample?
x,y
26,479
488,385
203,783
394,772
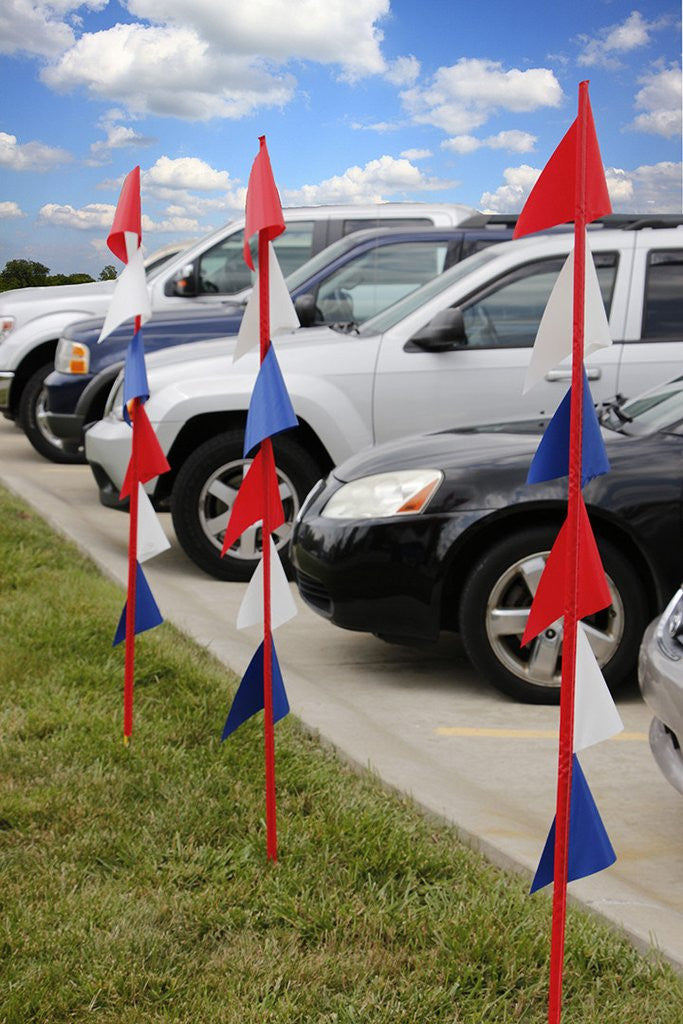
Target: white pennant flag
x,y
282,606
595,714
130,297
554,338
282,313
151,537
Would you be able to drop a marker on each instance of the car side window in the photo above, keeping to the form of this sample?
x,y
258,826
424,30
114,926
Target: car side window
x,y
663,305
222,270
363,223
508,314
294,246
369,284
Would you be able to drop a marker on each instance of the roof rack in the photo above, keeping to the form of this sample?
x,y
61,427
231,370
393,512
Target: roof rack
x,y
637,221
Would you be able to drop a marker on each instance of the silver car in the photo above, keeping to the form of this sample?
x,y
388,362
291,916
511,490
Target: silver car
x,y
660,674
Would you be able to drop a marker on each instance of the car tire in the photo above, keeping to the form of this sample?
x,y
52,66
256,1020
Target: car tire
x,y
33,422
202,498
503,582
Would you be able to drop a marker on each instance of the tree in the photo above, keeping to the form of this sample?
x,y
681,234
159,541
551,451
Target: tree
x,y
108,273
23,274
69,279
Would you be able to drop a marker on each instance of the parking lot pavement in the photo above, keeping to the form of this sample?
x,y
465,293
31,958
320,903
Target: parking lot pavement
x,y
418,717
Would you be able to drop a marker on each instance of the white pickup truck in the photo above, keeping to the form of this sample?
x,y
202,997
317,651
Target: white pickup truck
x,y
211,270
450,354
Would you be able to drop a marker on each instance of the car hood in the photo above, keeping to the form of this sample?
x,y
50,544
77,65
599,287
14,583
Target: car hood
x,y
54,295
449,450
86,331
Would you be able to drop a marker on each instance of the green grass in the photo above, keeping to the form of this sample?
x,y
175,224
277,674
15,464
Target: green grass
x,y
134,885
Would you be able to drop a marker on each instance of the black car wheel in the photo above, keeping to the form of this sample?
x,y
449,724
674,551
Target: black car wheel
x,y
495,607
206,488
33,421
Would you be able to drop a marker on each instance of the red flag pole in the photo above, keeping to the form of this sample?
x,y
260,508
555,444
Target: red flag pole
x,y
268,728
129,671
566,744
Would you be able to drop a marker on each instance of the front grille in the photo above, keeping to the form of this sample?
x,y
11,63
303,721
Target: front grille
x,y
314,593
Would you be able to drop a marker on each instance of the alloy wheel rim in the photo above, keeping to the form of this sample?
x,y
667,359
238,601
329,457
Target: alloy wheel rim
x,y
216,499
507,612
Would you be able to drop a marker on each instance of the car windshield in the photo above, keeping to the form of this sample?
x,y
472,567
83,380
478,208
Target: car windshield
x,y
404,307
658,409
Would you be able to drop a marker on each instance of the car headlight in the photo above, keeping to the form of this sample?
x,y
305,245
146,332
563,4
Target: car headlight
x,y
405,492
6,325
114,403
72,357
669,631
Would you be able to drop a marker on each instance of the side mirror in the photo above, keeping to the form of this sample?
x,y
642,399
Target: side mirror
x,y
445,331
183,283
305,309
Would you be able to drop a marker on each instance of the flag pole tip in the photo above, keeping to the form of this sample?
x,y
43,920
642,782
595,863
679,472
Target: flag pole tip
x,y
126,740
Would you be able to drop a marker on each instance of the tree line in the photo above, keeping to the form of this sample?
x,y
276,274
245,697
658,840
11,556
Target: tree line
x,y
30,274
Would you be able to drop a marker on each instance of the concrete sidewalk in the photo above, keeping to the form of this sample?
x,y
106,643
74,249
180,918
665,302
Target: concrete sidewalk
x,y
420,718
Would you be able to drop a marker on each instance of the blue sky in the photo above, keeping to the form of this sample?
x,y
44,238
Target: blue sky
x,y
360,100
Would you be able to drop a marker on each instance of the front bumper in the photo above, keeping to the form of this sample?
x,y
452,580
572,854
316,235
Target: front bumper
x,y
661,683
375,576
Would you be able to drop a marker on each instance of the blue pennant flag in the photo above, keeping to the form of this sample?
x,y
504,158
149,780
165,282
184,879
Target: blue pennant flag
x,y
552,455
147,614
249,697
589,847
134,375
270,409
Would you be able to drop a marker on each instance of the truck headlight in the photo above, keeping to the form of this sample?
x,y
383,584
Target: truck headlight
x,y
405,492
72,357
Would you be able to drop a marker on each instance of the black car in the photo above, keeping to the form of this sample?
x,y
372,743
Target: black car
x,y
350,281
442,532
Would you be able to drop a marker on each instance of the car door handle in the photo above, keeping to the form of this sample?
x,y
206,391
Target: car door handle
x,y
592,372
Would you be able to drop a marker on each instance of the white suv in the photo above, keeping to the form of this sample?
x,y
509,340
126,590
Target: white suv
x,y
452,353
208,271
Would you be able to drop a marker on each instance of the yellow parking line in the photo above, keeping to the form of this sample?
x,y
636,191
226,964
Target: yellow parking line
x,y
525,734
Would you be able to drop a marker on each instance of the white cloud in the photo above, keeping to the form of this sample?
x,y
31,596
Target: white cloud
x,y
416,154
378,181
660,101
510,197
381,127
100,216
29,156
513,140
334,32
653,188
118,136
94,215
634,32
187,172
130,64
10,210
650,188
403,70
465,95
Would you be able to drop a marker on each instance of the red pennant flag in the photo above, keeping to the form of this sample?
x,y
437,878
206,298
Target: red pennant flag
x,y
593,592
128,216
151,459
263,207
553,197
249,504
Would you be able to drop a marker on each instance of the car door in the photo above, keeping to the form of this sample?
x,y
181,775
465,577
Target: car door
x,y
653,350
482,380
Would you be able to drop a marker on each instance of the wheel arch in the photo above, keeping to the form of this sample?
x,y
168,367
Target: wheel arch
x,y
205,426
474,542
32,361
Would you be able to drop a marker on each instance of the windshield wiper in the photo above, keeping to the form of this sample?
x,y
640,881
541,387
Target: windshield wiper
x,y
613,406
